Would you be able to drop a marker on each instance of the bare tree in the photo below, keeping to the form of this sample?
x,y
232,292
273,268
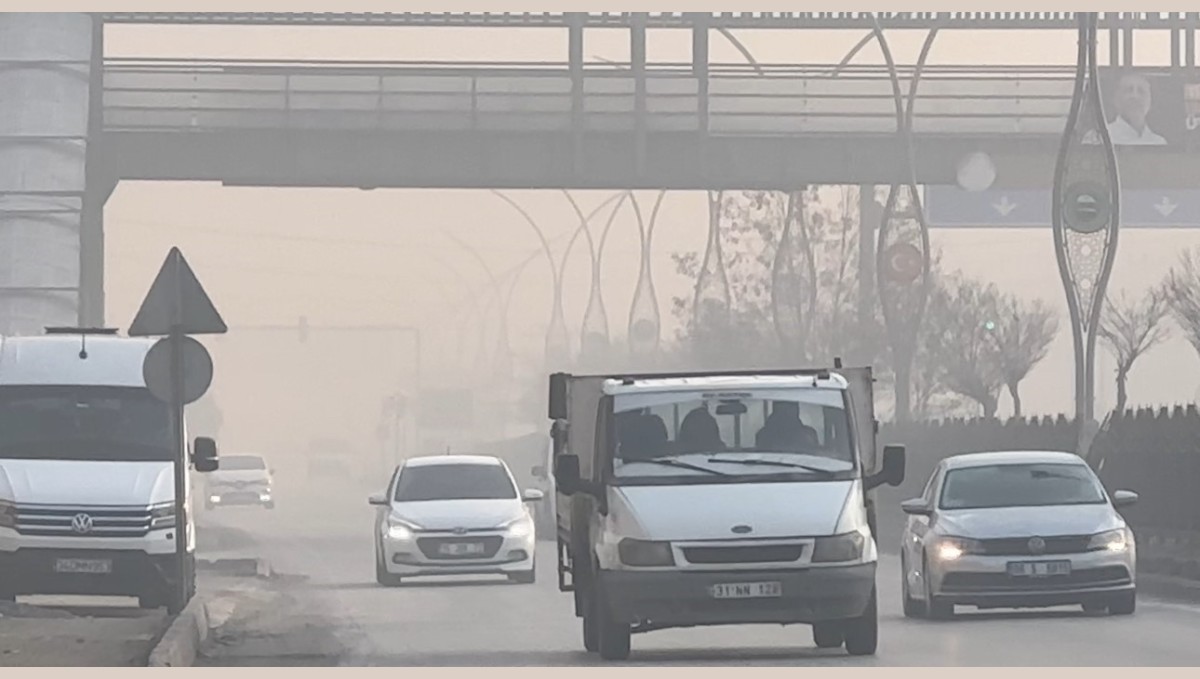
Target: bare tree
x,y
1183,295
970,358
1023,333
1130,328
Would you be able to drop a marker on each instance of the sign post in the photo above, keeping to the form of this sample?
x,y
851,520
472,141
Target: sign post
x,y
178,370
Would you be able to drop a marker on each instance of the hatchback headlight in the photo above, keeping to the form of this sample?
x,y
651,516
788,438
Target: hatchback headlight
x,y
643,553
162,516
1111,541
519,528
398,529
839,548
952,548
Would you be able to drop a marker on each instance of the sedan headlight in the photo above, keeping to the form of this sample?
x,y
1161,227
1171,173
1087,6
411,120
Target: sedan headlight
x,y
1111,541
952,548
398,529
643,553
162,516
839,548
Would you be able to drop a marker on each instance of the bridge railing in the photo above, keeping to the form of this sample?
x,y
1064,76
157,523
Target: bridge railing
x,y
778,100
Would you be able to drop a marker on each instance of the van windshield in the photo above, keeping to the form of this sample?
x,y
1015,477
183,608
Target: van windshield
x,y
801,433
242,463
102,424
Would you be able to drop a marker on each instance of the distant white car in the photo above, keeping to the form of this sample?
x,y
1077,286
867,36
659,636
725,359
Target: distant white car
x,y
240,480
1018,529
454,515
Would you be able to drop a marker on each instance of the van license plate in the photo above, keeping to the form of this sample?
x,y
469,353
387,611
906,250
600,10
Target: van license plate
x,y
101,566
1039,569
747,590
461,549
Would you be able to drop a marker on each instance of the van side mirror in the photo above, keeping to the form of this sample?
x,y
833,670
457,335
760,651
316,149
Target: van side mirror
x,y
1124,498
915,507
558,396
892,473
566,474
204,455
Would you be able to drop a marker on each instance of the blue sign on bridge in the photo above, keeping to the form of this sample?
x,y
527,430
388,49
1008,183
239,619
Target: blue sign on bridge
x,y
949,207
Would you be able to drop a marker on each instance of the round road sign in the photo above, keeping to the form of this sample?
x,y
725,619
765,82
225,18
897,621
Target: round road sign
x,y
903,263
197,369
1086,207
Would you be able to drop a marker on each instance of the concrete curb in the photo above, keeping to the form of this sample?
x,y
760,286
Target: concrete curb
x,y
181,643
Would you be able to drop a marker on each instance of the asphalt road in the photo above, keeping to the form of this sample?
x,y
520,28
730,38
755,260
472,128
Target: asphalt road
x,y
338,616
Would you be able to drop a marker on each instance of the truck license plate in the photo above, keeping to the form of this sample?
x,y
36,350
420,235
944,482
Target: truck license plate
x,y
1039,569
461,549
83,566
747,590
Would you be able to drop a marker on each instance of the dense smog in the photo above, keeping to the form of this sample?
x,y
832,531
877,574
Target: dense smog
x,y
566,339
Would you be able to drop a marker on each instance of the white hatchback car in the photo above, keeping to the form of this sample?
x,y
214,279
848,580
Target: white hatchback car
x,y
1017,529
454,515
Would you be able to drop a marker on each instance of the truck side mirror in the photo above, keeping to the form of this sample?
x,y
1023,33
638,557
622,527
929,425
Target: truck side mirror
x,y
558,396
204,455
892,473
566,474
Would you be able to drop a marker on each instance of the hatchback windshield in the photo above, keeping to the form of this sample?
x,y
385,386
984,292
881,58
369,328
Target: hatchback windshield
x,y
426,483
802,432
1020,485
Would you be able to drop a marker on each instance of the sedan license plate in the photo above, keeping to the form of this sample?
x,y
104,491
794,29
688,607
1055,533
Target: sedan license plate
x,y
1039,569
747,590
461,549
101,566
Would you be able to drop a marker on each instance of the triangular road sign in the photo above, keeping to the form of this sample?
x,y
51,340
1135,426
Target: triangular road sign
x,y
177,302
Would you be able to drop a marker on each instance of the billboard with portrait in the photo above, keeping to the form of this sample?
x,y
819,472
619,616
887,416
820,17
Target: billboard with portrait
x,y
1144,107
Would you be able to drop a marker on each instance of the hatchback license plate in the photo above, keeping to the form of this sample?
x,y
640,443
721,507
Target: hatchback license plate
x,y
101,566
747,590
461,549
1039,569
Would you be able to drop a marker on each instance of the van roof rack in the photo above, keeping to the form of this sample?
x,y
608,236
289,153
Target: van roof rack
x,y
80,331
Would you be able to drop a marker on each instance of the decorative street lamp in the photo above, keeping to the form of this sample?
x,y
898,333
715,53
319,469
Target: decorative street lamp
x,y
1086,216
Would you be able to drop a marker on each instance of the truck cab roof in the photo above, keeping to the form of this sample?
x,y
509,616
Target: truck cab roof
x,y
833,381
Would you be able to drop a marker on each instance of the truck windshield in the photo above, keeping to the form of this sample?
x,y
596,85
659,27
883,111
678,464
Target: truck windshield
x,y
793,432
104,424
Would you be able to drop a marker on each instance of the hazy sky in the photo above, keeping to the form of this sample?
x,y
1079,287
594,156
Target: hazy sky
x,y
382,257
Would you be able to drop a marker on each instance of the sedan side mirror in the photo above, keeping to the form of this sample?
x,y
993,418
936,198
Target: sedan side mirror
x,y
204,455
532,495
1124,498
378,500
892,473
916,507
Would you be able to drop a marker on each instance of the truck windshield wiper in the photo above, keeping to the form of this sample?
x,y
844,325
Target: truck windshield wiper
x,y
671,462
773,463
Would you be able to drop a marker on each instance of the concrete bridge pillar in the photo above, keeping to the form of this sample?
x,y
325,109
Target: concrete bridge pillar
x,y
51,224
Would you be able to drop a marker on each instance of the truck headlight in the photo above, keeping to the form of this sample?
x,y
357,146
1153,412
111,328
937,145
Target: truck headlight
x,y
643,553
162,516
1111,541
839,548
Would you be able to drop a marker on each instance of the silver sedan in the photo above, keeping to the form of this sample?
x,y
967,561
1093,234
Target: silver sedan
x,y
1017,529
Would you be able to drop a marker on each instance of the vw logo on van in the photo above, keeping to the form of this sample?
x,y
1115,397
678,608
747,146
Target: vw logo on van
x,y
459,531
81,524
741,529
1036,545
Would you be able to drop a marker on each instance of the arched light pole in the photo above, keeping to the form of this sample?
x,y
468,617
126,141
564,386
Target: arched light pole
x,y
1086,219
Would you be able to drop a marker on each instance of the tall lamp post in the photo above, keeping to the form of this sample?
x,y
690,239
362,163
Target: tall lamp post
x,y
1086,216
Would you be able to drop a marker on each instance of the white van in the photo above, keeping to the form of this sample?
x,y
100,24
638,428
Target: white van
x,y
719,499
87,491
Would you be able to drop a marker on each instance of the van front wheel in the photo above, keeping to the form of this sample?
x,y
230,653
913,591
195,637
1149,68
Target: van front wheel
x,y
862,633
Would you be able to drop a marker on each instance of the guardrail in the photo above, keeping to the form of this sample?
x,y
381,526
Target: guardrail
x,y
782,100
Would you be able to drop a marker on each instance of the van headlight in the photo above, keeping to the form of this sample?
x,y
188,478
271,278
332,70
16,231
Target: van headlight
x,y
8,515
398,529
643,553
839,548
1111,541
162,516
518,528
